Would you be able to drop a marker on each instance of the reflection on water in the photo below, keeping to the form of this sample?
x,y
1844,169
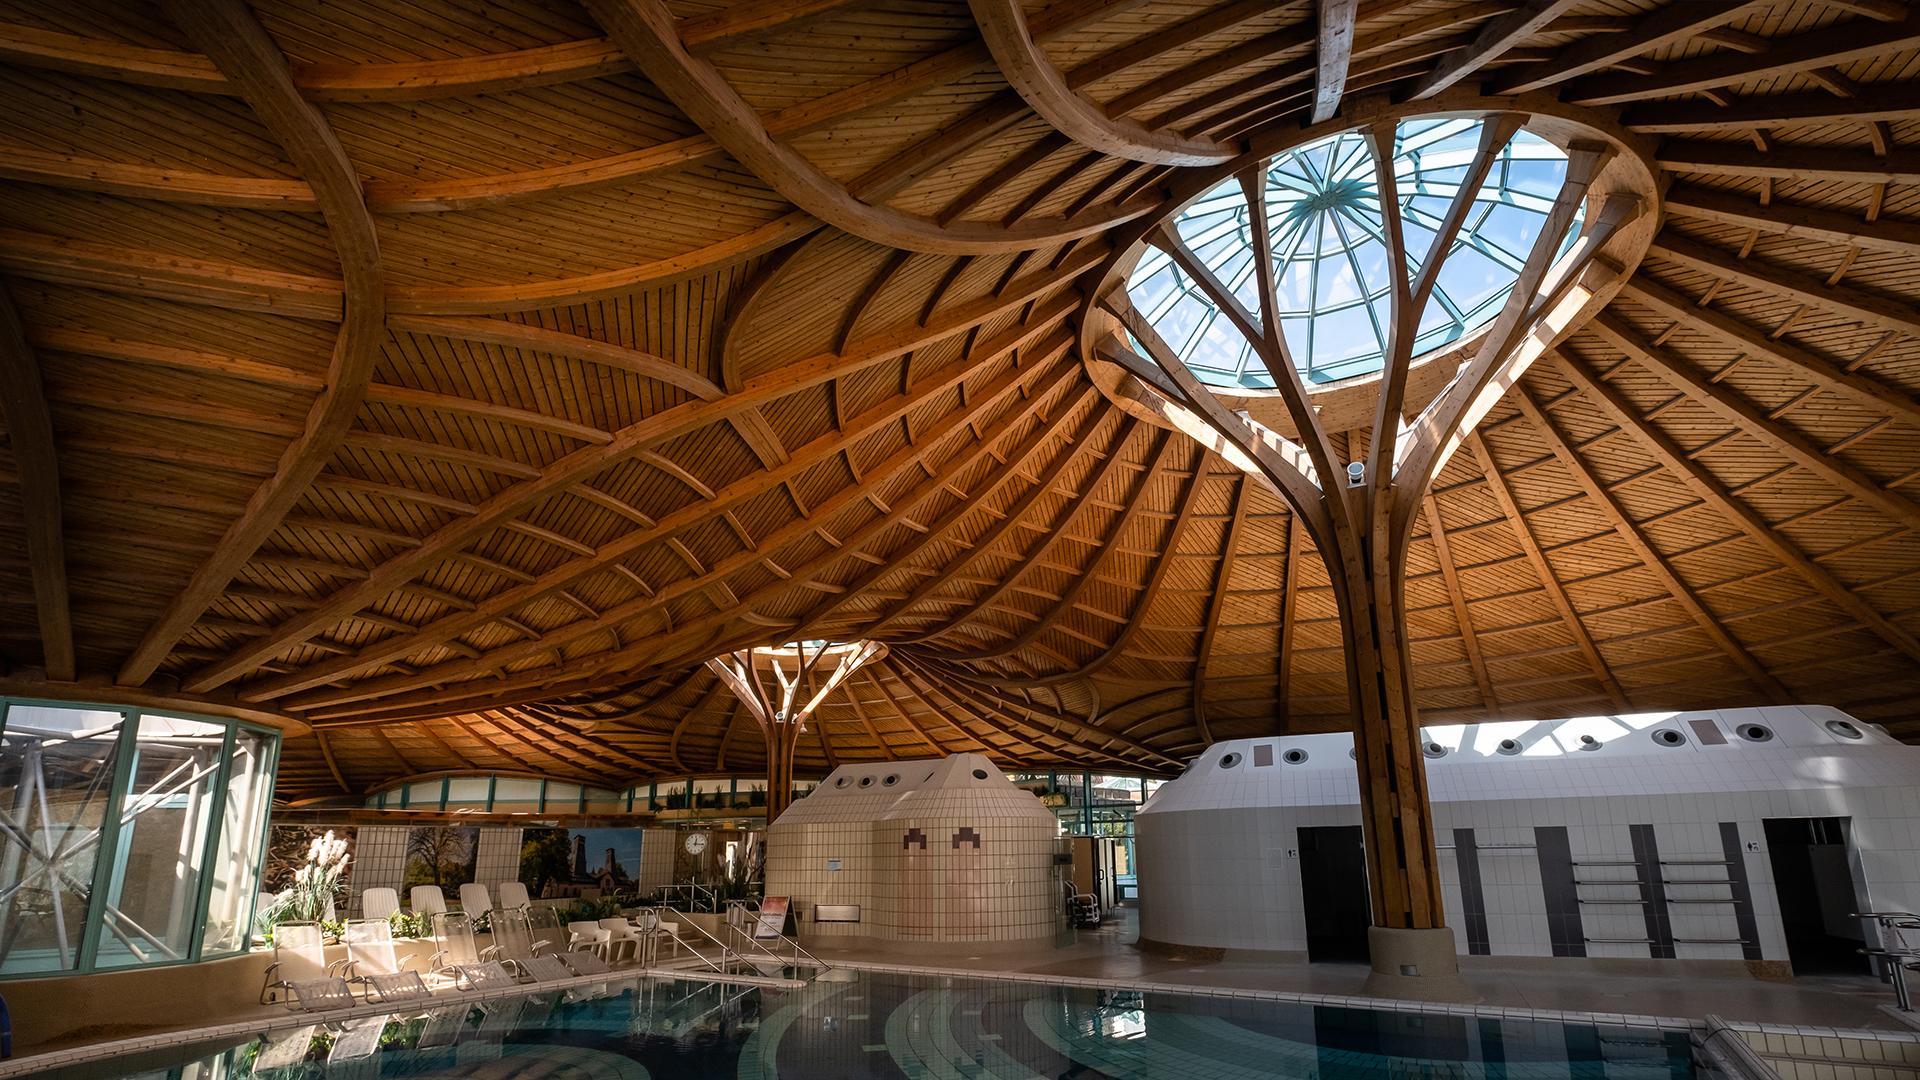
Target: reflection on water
x,y
914,1028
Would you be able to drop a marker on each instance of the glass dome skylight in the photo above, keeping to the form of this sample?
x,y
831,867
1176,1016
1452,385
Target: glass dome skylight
x,y
1330,262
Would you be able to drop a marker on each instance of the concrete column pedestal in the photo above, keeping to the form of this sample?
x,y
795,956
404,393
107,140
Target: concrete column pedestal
x,y
1415,965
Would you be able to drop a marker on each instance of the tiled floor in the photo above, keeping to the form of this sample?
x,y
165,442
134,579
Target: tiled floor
x,y
1108,953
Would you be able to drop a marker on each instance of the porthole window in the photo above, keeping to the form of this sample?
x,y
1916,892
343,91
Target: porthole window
x,y
1230,761
1511,746
1755,732
891,780
1669,737
1435,750
979,774
866,781
843,781
1843,729
1294,757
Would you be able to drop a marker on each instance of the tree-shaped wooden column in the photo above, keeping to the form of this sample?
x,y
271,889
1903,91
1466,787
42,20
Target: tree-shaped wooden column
x,y
1361,513
781,722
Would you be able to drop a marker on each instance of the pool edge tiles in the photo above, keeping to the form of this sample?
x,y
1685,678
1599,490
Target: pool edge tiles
x,y
1502,1012
81,1055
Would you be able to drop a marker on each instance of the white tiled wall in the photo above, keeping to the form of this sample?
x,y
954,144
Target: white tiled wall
x,y
1210,846
379,860
860,818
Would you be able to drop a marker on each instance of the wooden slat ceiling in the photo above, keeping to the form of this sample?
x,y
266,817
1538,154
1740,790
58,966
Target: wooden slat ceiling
x,y
459,377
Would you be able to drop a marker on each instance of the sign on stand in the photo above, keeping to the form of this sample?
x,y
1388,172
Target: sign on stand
x,y
773,919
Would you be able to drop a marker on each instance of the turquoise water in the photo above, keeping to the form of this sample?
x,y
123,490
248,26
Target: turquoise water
x,y
900,1027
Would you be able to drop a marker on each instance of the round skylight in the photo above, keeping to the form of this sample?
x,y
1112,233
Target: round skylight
x,y
1329,259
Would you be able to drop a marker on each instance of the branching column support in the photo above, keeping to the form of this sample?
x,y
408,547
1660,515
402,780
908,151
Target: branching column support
x,y
781,722
1361,514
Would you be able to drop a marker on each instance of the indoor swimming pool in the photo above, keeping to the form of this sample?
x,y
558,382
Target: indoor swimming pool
x,y
875,1025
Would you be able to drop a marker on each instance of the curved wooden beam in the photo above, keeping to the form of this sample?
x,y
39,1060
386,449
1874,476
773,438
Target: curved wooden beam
x,y
1789,162
23,404
359,595
467,193
1549,581
645,30
169,277
412,81
1664,26
1650,557
1720,398
1003,23
1828,46
1864,390
1216,603
241,47
1886,313
1710,490
1791,221
1011,516
1894,102
493,299
514,335
1103,548
1493,39
1333,53
1056,532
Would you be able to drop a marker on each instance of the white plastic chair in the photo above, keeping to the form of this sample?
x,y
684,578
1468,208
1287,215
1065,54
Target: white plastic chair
x,y
428,900
372,961
622,943
589,935
378,903
513,895
474,899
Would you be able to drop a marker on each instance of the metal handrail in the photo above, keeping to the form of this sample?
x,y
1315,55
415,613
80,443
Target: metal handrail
x,y
1896,960
745,932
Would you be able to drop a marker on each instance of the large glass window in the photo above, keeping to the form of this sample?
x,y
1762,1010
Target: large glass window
x,y
56,780
1329,269
127,839
241,848
165,816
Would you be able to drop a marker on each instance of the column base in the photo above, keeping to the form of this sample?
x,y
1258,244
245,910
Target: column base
x,y
1415,965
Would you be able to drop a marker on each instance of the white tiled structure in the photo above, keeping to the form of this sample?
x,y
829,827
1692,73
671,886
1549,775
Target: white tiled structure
x,y
1519,805
933,851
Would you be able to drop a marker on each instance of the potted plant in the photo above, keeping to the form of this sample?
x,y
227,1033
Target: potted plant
x,y
315,887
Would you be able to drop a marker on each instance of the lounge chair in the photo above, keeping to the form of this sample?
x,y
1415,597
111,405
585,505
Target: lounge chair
x,y
313,995
488,976
513,940
453,934
370,950
356,1039
282,1049
299,956
378,903
444,1026
513,896
545,969
584,963
427,900
397,987
474,899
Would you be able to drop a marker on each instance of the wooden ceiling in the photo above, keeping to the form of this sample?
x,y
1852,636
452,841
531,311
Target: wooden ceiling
x,y
458,377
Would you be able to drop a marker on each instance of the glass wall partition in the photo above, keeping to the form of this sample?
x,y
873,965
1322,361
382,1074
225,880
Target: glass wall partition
x,y
127,837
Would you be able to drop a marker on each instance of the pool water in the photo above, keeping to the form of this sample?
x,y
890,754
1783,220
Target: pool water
x,y
901,1027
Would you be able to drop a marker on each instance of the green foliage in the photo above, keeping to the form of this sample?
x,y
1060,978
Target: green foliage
x,y
543,858
411,926
595,910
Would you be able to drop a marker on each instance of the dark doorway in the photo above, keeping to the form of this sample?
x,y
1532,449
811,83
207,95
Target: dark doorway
x,y
1814,880
1333,885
